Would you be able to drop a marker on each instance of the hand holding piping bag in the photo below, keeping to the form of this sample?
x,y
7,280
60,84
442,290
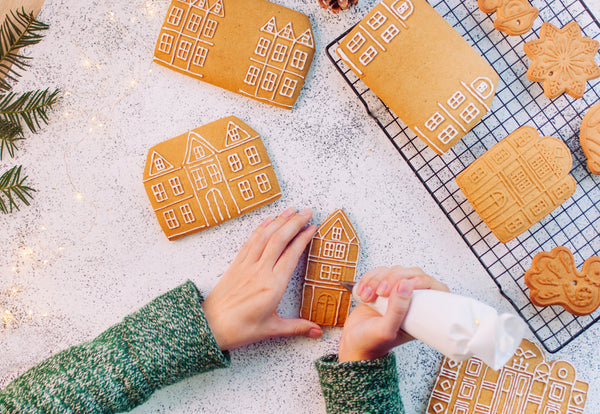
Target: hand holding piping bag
x,y
418,306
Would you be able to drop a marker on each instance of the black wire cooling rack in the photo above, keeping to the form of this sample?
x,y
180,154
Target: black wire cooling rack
x,y
575,224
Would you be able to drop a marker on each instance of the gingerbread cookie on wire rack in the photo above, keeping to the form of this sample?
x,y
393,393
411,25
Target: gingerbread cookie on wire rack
x,y
553,279
513,17
562,59
589,138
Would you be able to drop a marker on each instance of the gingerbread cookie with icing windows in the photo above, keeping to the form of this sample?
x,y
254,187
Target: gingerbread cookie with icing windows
x,y
562,59
207,176
255,48
332,257
527,384
553,279
422,69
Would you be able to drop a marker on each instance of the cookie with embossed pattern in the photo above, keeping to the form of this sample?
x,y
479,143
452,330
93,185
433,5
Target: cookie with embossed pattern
x,y
553,279
589,137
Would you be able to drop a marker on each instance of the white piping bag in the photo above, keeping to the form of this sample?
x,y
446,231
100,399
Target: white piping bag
x,y
457,326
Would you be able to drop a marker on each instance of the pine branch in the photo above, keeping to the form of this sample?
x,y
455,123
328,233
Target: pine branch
x,y
29,107
11,186
10,133
20,29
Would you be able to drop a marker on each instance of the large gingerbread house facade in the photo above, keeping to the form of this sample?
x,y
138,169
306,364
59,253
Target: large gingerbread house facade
x,y
402,50
255,48
526,384
207,176
333,256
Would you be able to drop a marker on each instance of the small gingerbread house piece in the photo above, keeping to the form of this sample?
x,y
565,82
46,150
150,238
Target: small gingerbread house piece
x,y
207,176
332,258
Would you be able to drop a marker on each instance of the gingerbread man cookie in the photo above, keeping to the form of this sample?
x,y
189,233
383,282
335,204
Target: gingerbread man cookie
x,y
553,279
589,137
562,59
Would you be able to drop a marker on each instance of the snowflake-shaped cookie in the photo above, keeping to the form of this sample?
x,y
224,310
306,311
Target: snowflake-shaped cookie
x,y
563,60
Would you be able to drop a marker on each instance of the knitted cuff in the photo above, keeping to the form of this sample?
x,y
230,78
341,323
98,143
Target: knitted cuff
x,y
360,386
171,339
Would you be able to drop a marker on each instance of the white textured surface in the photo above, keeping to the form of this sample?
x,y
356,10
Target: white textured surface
x,y
85,263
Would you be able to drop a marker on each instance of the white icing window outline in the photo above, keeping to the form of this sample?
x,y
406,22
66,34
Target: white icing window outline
x,y
262,47
194,22
159,164
340,251
288,87
200,56
171,219
483,87
376,20
233,134
469,113
403,8
246,190
456,99
166,42
269,80
434,122
176,185
218,8
447,134
199,152
336,233
328,249
159,192
252,75
325,272
210,28
252,154
279,52
175,16
199,178
187,214
184,49
336,273
234,162
214,173
299,59
368,55
263,182
356,42
389,33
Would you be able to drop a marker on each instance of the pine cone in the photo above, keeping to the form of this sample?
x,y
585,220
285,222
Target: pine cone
x,y
337,5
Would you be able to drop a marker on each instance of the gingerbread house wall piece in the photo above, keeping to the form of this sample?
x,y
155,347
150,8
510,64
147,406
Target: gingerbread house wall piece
x,y
333,256
258,49
207,176
401,50
518,181
526,384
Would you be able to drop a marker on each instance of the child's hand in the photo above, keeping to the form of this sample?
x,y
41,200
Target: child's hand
x,y
367,335
242,308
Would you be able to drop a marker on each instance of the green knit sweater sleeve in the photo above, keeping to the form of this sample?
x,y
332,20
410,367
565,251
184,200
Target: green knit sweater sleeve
x,y
360,386
162,343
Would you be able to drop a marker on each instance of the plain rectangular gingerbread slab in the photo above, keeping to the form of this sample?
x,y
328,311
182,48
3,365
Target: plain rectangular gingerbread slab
x,y
207,176
420,67
254,48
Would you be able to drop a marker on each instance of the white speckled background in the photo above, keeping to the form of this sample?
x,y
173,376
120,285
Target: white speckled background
x,y
82,263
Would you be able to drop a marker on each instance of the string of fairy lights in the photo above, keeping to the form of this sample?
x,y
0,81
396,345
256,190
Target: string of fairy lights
x,y
29,259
